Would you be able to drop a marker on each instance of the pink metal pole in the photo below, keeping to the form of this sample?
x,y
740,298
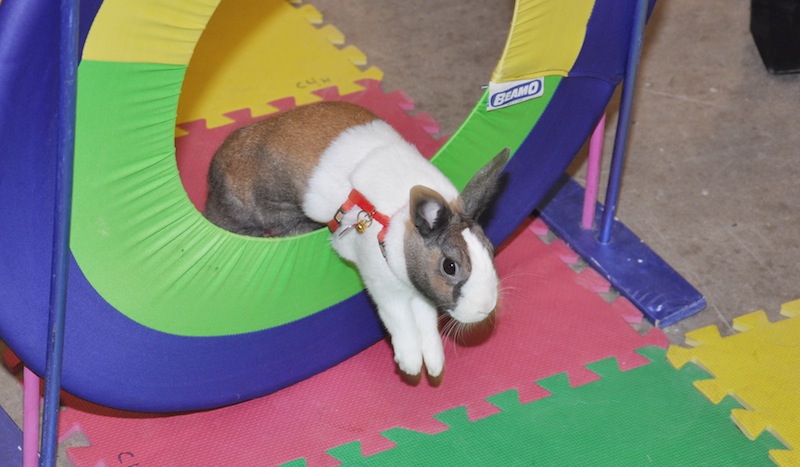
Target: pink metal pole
x,y
593,173
30,419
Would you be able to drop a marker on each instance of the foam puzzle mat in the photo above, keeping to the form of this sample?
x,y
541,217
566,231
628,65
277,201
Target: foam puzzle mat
x,y
553,323
619,420
530,393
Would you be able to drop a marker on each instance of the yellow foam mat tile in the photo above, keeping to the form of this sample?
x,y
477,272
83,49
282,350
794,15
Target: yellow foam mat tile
x,y
254,52
332,34
310,12
760,367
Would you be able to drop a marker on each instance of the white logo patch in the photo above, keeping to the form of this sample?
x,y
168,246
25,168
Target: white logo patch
x,y
513,92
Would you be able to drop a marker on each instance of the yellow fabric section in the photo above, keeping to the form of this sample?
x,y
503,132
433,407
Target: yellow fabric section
x,y
257,51
545,39
147,31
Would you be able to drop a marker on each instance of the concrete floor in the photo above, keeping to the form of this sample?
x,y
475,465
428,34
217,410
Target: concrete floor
x,y
711,181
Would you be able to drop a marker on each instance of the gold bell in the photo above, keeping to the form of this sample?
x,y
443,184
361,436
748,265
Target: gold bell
x,y
364,221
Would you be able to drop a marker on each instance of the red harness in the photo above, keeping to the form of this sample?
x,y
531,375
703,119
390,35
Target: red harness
x,y
365,217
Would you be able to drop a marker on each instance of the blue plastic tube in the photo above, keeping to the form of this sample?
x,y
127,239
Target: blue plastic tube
x,y
624,121
68,80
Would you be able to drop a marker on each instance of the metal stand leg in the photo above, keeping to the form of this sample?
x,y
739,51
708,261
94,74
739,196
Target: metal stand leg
x,y
624,123
63,204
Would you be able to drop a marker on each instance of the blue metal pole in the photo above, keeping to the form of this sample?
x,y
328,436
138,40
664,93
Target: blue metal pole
x,y
624,121
68,79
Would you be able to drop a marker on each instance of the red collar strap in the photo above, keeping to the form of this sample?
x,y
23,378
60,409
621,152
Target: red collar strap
x,y
365,217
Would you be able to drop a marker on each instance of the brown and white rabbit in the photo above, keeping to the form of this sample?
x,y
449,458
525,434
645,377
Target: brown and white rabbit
x,y
397,218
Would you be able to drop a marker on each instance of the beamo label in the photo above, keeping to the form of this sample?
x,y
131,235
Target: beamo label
x,y
506,94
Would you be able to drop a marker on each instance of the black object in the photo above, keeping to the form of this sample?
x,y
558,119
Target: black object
x,y
775,26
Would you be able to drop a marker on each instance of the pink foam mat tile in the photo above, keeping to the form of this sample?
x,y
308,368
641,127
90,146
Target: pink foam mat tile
x,y
626,310
588,277
538,227
548,324
593,280
564,252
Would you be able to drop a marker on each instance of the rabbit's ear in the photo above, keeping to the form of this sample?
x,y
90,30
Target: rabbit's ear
x,y
483,186
429,211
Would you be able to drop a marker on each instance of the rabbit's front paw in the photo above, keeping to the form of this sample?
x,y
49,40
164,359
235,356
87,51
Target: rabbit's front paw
x,y
434,357
408,358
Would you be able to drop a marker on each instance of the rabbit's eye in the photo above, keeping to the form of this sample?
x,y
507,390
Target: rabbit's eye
x,y
449,266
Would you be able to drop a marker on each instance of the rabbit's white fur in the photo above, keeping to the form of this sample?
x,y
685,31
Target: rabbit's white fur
x,y
291,173
374,159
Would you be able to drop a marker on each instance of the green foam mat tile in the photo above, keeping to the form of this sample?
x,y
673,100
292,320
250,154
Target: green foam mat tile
x,y
650,415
